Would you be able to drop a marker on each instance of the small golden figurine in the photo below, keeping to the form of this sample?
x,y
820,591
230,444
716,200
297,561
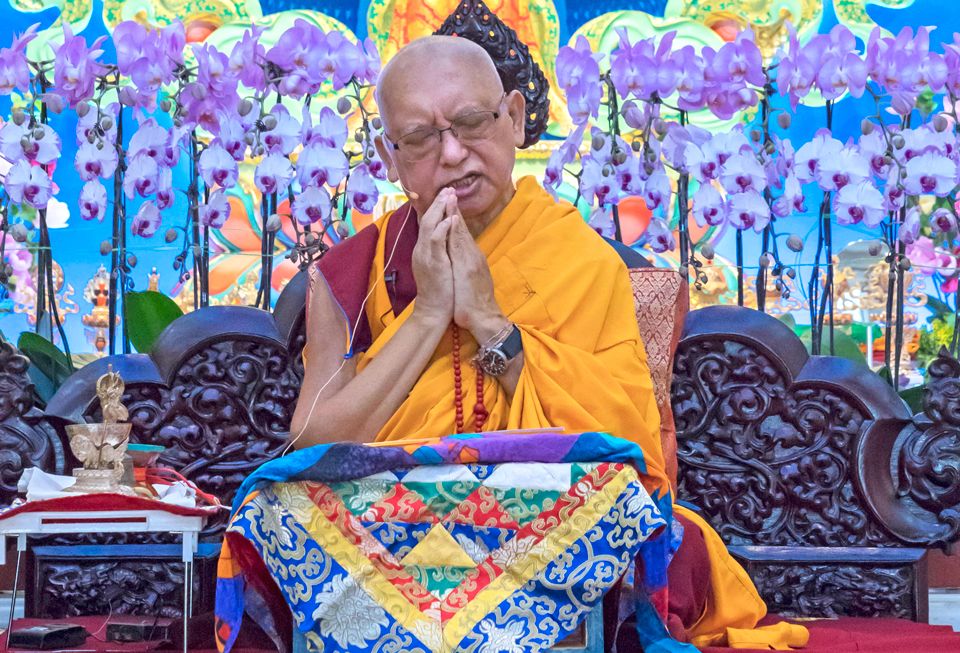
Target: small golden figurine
x,y
101,447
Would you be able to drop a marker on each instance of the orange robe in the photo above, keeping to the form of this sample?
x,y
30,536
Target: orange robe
x,y
585,368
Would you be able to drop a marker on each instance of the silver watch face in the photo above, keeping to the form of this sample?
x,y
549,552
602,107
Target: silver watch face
x,y
493,363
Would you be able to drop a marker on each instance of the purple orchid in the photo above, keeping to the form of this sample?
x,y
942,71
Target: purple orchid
x,y
149,140
273,174
594,185
709,207
44,146
362,189
874,147
217,167
14,71
861,202
630,176
690,72
797,68
369,72
318,165
245,61
216,211
742,172
92,161
823,147
296,53
93,201
339,60
28,184
578,73
657,191
910,229
792,200
11,135
640,71
201,108
330,130
88,125
311,206
746,210
285,137
564,154
165,193
930,173
660,236
141,177
841,73
146,221
846,167
943,221
214,74
231,137
77,67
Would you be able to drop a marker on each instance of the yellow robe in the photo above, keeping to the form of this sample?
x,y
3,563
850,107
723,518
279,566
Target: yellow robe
x,y
584,369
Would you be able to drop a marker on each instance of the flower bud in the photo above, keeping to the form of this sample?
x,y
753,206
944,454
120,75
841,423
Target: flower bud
x,y
755,135
770,148
342,231
636,146
170,236
790,272
358,135
18,116
874,249
269,122
259,150
53,101
249,138
197,251
127,96
619,157
132,260
597,142
39,133
940,122
866,126
310,238
91,136
344,105
898,141
106,123
105,248
82,109
371,153
273,223
199,91
244,107
165,105
905,264
377,123
765,260
19,233
659,127
784,120
707,250
25,143
795,243
607,170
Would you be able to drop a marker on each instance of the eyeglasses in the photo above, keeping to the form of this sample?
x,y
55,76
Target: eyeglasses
x,y
468,129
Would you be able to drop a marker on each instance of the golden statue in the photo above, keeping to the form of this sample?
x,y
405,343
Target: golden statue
x,y
101,447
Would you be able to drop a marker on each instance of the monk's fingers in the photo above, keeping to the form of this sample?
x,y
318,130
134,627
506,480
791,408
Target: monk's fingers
x,y
435,214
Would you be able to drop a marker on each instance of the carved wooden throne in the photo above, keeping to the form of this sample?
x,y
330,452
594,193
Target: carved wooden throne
x,y
811,468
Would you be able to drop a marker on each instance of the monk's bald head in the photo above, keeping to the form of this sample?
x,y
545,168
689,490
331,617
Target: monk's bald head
x,y
450,61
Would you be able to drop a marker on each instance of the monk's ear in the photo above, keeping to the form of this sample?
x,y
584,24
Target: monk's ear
x,y
386,155
517,110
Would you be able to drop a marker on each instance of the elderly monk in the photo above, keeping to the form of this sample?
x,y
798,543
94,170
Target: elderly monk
x,y
482,306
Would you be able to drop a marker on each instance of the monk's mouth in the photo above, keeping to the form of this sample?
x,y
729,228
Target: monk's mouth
x,y
465,186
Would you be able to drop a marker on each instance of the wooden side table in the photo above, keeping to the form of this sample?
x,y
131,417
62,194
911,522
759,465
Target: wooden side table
x,y
39,523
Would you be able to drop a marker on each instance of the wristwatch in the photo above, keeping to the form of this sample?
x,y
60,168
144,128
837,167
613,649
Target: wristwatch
x,y
493,357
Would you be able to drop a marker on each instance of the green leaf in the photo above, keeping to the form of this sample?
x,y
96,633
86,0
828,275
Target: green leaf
x,y
938,307
44,355
148,314
42,385
885,374
789,320
913,398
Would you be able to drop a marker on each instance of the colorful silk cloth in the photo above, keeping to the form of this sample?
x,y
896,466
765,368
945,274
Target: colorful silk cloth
x,y
493,542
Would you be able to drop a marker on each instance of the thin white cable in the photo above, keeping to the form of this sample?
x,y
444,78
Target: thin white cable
x,y
353,333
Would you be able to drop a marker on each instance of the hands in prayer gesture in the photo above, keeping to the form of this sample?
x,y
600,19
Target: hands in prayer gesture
x,y
452,275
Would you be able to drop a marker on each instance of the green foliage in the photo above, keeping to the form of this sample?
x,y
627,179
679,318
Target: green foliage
x,y
147,314
844,344
49,367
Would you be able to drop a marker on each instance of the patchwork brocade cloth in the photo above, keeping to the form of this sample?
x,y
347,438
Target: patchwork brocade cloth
x,y
472,543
